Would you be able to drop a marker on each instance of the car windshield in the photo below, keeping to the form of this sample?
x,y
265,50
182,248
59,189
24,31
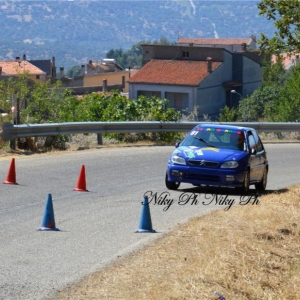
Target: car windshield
x,y
215,137
204,141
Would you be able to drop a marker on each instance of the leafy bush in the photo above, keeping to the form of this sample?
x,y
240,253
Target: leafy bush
x,y
117,108
48,103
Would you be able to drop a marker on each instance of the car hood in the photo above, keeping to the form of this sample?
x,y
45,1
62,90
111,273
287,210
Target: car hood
x,y
208,153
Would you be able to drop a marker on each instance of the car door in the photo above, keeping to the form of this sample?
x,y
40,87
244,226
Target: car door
x,y
254,158
261,154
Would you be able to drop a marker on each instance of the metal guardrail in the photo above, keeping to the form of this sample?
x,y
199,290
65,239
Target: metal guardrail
x,y
11,131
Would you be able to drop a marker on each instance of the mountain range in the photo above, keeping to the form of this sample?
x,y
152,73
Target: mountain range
x,y
76,31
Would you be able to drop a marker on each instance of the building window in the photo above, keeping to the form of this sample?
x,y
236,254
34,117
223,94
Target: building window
x,y
185,54
149,94
179,101
37,76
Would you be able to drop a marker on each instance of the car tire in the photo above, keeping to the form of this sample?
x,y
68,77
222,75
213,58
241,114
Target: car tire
x,y
246,183
261,186
171,185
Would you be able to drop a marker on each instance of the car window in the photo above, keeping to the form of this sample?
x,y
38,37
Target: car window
x,y
252,142
219,138
216,137
259,144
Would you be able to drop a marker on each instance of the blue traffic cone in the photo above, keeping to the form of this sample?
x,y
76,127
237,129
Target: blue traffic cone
x,y
48,222
220,296
145,220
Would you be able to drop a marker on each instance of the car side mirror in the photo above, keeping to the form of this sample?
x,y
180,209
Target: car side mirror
x,y
253,151
177,144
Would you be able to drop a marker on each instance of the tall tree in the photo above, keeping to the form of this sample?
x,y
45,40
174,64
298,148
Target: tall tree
x,y
74,71
286,106
286,17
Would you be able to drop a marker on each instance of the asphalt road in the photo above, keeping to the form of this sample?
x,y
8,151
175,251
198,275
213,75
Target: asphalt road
x,y
98,226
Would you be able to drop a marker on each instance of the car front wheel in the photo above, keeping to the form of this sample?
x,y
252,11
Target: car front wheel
x,y
261,186
171,185
246,183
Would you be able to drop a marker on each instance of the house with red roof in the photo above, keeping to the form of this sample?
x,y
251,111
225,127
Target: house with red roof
x,y
192,76
18,67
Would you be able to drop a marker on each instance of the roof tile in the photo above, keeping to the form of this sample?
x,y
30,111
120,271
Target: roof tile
x,y
15,68
173,72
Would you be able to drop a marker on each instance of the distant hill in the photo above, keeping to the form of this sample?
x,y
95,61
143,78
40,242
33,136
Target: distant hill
x,y
75,31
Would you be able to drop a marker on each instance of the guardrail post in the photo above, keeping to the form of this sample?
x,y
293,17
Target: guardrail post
x,y
12,144
99,139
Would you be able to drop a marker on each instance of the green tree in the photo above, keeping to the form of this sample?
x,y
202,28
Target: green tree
x,y
74,71
260,99
68,106
260,105
131,58
18,87
273,73
162,41
45,103
6,94
228,114
286,17
286,106
117,108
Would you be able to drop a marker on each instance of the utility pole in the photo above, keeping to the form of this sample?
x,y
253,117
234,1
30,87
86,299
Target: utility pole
x,y
18,120
14,119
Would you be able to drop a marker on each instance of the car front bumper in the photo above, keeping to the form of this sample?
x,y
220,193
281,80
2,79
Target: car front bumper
x,y
206,176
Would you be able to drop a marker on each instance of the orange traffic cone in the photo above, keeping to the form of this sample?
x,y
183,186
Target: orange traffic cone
x,y
81,182
11,175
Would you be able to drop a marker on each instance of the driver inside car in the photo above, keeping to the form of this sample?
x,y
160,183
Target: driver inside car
x,y
238,141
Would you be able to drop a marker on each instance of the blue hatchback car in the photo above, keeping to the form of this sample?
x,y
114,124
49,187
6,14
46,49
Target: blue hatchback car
x,y
220,156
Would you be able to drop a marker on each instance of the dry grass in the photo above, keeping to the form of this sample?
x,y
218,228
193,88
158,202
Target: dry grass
x,y
248,252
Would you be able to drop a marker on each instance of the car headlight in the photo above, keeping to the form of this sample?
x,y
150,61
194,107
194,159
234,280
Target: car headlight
x,y
178,160
231,164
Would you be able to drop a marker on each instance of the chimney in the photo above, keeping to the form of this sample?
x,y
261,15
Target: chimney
x,y
53,68
82,70
18,58
24,57
104,85
123,82
209,64
244,47
62,72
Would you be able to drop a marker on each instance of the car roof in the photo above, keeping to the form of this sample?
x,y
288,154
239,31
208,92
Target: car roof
x,y
222,126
